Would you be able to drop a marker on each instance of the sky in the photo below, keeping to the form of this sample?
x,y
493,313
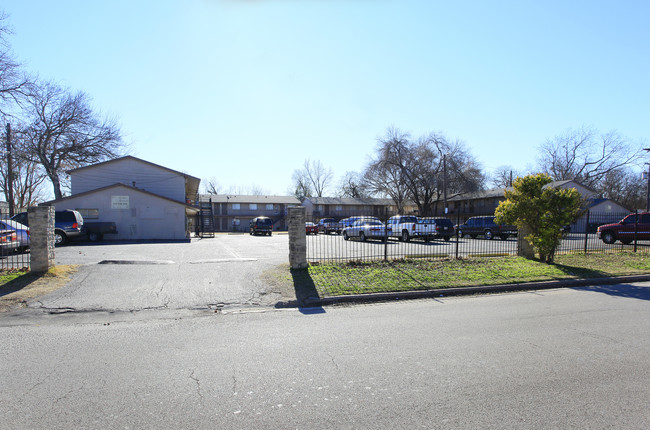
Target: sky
x,y
244,91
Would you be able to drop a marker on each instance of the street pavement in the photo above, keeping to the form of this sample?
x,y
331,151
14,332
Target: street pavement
x,y
565,358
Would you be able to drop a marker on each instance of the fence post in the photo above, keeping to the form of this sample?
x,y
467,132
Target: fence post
x,y
587,230
41,238
456,232
297,238
636,227
524,249
385,233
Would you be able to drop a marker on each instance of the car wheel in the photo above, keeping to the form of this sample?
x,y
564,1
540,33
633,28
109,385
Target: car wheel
x,y
60,238
362,236
626,241
345,235
405,236
447,238
460,233
426,239
488,234
608,237
94,237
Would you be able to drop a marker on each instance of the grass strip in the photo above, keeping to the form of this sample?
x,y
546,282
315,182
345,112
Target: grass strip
x,y
418,274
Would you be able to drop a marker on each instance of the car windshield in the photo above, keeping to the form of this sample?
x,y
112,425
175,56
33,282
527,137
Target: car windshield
x,y
14,225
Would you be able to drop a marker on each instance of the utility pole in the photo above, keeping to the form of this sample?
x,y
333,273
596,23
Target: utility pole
x,y
444,182
10,173
647,196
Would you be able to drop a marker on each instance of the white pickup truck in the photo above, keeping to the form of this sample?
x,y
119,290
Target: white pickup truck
x,y
406,227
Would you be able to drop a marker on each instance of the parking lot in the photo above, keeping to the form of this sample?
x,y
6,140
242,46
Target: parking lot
x,y
202,274
334,248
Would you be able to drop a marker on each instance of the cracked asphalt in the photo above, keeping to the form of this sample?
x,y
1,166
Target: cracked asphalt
x,y
203,274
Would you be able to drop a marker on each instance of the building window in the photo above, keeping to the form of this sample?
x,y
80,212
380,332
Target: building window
x,y
339,208
269,207
88,213
252,206
235,206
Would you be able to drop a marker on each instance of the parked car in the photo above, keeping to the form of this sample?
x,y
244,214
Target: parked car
x,y
8,242
402,226
261,225
425,229
444,228
68,224
365,229
347,222
485,226
22,232
311,228
625,229
96,230
329,225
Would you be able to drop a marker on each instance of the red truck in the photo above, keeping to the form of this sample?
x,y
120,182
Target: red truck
x,y
627,229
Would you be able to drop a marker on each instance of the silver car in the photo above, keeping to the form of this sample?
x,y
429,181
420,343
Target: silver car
x,y
365,229
22,232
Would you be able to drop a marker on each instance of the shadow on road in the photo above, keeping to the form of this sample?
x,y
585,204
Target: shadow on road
x,y
620,290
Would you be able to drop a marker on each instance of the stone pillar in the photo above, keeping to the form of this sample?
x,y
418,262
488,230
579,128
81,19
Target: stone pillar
x,y
41,237
297,238
524,249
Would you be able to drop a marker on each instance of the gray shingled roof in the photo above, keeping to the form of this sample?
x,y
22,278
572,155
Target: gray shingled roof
x,y
234,198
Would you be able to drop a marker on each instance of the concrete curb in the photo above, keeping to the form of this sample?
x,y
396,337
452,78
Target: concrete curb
x,y
405,295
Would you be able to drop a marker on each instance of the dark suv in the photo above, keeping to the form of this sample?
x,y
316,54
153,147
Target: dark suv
x,y
485,225
261,225
444,228
68,224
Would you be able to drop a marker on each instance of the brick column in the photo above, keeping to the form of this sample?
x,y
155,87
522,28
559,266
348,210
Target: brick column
x,y
41,237
297,238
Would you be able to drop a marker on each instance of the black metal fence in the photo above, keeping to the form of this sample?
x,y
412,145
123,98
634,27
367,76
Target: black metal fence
x,y
14,245
336,242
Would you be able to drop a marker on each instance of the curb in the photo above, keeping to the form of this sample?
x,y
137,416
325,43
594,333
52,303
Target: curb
x,y
460,291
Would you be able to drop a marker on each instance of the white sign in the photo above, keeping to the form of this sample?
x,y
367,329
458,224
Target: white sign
x,y
119,202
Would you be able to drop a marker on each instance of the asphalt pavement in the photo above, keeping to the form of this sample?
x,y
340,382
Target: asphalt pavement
x,y
566,358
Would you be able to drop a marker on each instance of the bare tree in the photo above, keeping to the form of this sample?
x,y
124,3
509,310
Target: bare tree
x,y
301,185
415,169
352,185
312,179
212,186
503,176
27,176
625,187
586,156
14,84
64,133
385,178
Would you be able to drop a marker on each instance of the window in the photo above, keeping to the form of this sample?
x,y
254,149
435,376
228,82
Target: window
x,y
235,206
252,206
339,208
88,213
269,207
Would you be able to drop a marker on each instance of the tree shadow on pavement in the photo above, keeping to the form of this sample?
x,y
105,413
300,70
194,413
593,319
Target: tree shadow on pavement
x,y
306,293
620,290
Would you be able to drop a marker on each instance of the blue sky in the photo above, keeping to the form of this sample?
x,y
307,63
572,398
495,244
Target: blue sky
x,y
244,91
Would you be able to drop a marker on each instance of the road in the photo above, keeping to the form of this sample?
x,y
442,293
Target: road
x,y
566,358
